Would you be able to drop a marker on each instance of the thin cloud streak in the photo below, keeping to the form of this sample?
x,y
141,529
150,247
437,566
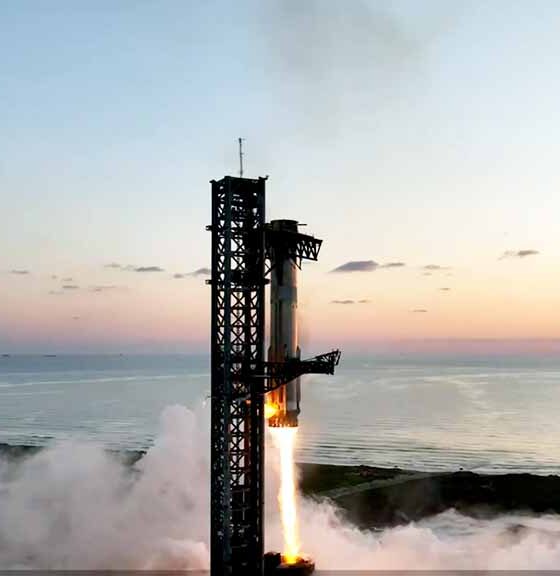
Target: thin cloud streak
x,y
110,288
149,269
128,267
365,266
195,273
19,272
435,267
356,266
518,254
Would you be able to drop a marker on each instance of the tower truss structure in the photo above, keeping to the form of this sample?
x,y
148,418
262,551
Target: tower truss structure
x,y
243,249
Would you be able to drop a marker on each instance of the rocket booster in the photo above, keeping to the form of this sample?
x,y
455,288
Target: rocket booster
x,y
283,402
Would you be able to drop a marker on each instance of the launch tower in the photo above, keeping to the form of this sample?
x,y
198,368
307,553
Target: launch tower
x,y
244,251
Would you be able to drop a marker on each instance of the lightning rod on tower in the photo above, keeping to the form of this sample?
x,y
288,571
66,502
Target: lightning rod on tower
x,y
240,140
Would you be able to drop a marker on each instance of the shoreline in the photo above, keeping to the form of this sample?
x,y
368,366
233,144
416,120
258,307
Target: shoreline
x,y
374,497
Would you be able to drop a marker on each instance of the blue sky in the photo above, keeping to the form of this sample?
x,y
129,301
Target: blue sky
x,y
425,133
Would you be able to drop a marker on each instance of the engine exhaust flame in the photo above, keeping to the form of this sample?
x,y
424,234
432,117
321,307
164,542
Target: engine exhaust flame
x,y
270,410
285,439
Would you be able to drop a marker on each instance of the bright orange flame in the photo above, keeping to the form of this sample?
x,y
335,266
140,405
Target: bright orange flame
x,y
285,440
270,410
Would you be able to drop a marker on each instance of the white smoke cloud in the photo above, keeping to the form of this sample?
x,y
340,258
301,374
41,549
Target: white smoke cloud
x,y
449,541
75,506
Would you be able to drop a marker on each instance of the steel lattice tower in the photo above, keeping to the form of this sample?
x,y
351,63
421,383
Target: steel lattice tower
x,y
238,206
241,245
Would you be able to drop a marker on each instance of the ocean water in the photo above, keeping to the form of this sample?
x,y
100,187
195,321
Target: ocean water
x,y
495,414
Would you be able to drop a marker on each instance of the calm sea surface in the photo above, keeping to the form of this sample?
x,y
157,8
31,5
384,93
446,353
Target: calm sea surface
x,y
498,414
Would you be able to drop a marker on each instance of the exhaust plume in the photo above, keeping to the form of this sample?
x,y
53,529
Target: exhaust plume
x,y
285,441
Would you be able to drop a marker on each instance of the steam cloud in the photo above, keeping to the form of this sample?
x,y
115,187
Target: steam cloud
x,y
75,506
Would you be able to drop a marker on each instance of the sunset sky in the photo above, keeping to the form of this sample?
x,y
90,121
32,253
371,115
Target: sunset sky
x,y
424,134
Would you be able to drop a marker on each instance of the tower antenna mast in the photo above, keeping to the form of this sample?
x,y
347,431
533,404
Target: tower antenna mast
x,y
240,140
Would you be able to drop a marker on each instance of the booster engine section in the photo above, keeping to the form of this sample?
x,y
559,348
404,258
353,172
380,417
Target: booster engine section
x,y
282,404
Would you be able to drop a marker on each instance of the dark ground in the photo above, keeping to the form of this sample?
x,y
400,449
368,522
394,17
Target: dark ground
x,y
377,497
